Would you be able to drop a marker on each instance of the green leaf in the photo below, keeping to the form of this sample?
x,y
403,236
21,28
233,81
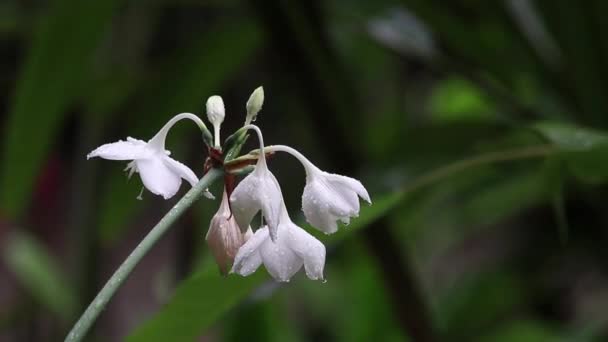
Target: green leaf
x,y
584,150
197,303
589,166
458,99
51,79
524,331
493,200
555,183
570,137
38,272
479,300
206,296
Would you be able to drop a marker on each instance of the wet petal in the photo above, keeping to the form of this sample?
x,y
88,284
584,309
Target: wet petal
x,y
181,170
254,193
280,261
157,177
317,217
322,206
349,183
244,202
248,258
122,150
309,249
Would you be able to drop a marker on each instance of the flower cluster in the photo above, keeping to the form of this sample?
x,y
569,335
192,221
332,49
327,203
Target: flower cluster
x,y
279,244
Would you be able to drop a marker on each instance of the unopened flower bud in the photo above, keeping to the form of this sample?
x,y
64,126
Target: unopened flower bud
x,y
215,110
224,236
254,104
216,114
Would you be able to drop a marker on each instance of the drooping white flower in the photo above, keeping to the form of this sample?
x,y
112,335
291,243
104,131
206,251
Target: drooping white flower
x,y
224,236
260,190
284,257
327,197
216,114
160,174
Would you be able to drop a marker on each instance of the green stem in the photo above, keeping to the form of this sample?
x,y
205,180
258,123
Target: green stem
x,y
486,158
101,300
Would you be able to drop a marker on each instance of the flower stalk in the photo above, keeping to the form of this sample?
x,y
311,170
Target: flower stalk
x,y
87,319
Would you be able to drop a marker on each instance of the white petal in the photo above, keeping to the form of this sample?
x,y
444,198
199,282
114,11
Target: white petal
x,y
280,261
347,197
350,183
244,205
157,177
309,249
122,150
248,258
181,170
250,264
318,218
257,192
272,202
323,205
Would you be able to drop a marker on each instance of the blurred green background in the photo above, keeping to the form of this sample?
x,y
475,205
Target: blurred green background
x,y
477,126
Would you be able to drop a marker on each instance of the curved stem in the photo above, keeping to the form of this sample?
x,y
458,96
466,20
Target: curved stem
x,y
262,160
486,158
159,139
308,165
101,300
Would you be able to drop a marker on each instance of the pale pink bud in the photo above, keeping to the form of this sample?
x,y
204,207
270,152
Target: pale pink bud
x,y
224,236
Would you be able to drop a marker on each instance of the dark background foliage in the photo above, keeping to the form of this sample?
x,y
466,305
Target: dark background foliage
x,y
476,125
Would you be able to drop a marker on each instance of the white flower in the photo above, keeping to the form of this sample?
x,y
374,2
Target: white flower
x,y
284,257
327,197
216,114
161,174
224,236
258,191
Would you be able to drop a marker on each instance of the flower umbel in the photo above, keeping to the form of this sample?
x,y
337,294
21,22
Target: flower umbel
x,y
160,174
284,257
280,245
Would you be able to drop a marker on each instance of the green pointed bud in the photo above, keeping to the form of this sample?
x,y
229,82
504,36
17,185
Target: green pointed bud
x,y
254,104
232,139
234,143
